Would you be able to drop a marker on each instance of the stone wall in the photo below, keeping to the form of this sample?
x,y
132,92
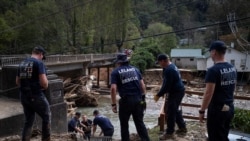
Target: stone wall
x,y
8,85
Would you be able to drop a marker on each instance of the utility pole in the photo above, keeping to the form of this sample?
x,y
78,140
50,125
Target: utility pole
x,y
240,40
232,24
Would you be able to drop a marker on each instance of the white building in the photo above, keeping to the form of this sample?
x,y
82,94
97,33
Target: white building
x,y
240,60
193,59
186,58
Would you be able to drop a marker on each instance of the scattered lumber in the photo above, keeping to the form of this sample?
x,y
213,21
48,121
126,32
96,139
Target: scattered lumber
x,y
78,93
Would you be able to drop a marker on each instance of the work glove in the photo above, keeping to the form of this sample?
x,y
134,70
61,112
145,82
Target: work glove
x,y
143,102
156,98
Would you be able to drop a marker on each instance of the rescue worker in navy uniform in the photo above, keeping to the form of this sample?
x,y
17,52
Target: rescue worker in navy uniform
x,y
130,85
104,123
219,94
32,81
74,124
173,87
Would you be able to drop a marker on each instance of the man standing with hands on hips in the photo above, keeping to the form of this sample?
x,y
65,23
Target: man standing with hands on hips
x,y
128,81
219,94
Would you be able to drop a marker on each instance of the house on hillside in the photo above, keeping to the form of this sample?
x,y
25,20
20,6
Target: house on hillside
x,y
186,58
193,59
239,59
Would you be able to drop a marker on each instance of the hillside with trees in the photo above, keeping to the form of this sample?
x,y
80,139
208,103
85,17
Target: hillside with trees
x,y
108,26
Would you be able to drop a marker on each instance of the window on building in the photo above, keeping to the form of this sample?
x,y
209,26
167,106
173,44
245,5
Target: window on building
x,y
178,59
242,62
232,62
191,59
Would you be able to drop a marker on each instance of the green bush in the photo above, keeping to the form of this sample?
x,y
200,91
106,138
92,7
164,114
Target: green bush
x,y
241,120
140,64
145,54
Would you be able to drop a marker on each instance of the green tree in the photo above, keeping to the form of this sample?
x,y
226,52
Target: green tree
x,y
163,35
132,33
145,54
39,25
5,37
142,59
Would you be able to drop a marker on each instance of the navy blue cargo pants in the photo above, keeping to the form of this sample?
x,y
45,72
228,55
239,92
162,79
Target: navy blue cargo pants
x,y
31,105
130,105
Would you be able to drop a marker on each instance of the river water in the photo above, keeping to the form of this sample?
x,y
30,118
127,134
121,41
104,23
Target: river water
x,y
104,107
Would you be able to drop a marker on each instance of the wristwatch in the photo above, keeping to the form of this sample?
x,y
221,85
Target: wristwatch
x,y
201,112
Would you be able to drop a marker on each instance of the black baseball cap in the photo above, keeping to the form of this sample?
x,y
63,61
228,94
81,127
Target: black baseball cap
x,y
40,49
218,45
161,57
121,58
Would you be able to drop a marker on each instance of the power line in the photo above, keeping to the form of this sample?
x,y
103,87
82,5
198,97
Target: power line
x,y
178,31
124,20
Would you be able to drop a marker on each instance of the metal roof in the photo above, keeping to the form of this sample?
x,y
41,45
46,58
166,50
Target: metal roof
x,y
186,53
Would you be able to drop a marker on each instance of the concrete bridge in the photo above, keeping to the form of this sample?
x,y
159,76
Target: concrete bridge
x,y
11,114
62,63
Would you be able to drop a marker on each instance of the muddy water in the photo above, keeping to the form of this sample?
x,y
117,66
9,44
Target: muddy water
x,y
150,119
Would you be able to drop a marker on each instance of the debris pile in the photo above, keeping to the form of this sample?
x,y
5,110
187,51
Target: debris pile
x,y
78,93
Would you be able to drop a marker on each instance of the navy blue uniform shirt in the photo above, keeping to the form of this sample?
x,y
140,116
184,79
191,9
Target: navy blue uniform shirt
x,y
28,72
172,82
224,76
127,78
103,122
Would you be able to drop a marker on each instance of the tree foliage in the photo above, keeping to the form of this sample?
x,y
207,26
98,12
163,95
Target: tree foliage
x,y
167,41
145,54
241,120
87,26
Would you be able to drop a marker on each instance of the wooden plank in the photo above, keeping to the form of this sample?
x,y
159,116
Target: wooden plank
x,y
70,103
162,118
103,92
194,92
200,93
190,117
153,86
242,97
190,105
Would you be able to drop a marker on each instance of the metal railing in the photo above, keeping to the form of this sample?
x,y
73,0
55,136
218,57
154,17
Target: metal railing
x,y
55,59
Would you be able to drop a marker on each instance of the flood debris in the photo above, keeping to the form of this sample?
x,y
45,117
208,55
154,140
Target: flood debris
x,y
78,93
